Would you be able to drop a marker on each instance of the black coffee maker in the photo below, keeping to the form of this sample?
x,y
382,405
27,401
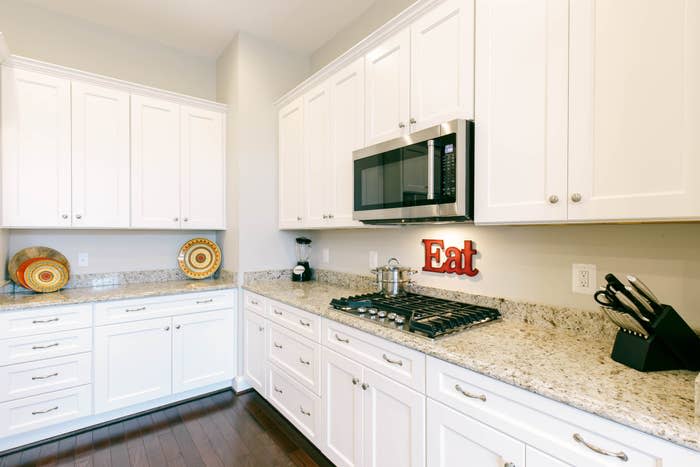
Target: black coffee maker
x,y
302,271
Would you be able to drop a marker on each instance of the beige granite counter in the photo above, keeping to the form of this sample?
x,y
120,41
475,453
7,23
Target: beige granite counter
x,y
18,301
573,368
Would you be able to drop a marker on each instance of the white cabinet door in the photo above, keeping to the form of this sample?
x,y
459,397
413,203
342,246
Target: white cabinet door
x,y
203,346
254,346
203,169
634,145
317,157
155,163
132,363
36,149
536,458
521,111
387,89
394,423
347,133
291,158
342,409
454,438
100,163
442,64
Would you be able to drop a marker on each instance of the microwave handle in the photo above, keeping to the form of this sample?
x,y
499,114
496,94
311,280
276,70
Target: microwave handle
x,y
431,169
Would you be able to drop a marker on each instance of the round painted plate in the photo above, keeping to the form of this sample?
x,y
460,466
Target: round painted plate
x,y
46,275
33,252
199,258
23,267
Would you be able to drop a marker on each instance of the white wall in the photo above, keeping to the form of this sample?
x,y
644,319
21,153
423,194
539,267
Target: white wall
x,y
110,251
37,33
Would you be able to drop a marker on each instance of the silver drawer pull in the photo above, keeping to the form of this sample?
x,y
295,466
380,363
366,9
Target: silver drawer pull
x,y
43,321
261,328
277,312
141,308
620,455
199,302
304,323
39,347
34,378
254,302
305,362
38,412
277,389
277,345
345,341
469,394
393,362
301,409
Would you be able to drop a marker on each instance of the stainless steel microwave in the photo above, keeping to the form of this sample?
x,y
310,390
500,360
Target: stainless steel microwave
x,y
427,176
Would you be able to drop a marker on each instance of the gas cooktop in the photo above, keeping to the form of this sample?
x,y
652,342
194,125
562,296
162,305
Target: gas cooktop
x,y
418,314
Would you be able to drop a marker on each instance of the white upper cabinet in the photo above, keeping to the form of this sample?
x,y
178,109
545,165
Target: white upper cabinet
x,y
100,162
36,149
634,149
155,163
202,168
317,157
521,110
387,88
291,159
442,64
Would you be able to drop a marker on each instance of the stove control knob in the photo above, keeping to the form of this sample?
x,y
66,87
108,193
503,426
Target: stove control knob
x,y
381,314
399,320
362,310
372,311
391,316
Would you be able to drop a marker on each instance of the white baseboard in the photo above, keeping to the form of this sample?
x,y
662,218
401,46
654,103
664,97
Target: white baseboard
x,y
241,383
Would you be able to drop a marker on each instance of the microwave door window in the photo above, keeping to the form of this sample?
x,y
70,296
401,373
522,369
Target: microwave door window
x,y
415,175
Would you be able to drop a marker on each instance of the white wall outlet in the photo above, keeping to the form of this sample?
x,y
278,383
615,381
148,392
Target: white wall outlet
x,y
325,255
373,259
83,260
583,278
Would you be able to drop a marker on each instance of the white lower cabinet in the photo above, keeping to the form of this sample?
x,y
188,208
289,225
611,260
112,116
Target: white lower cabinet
x,y
296,403
254,355
454,439
537,458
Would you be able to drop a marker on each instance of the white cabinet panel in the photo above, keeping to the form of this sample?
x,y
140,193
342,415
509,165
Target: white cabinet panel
x,y
347,133
634,147
203,168
36,134
442,64
45,320
203,346
297,404
387,89
132,363
521,110
454,438
155,163
55,344
298,356
537,458
394,423
317,158
291,160
255,349
100,156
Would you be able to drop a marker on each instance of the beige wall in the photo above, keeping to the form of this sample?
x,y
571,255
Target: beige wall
x,y
43,35
379,13
4,240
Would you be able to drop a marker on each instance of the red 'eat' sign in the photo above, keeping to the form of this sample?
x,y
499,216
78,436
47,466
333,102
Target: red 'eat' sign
x,y
456,261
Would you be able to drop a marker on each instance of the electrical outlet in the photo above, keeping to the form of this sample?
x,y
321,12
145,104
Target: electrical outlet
x,y
583,278
373,259
83,260
325,255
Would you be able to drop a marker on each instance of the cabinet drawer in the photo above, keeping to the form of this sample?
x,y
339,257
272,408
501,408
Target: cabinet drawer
x,y
395,361
300,321
298,405
300,357
43,320
254,302
158,307
30,379
500,406
48,409
31,348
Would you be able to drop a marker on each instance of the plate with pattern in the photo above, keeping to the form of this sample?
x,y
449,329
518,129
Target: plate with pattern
x,y
46,275
199,258
24,257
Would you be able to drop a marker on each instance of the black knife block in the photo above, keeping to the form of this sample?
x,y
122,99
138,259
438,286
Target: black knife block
x,y
671,345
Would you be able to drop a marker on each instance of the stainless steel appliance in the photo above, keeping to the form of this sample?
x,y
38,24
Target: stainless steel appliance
x,y
392,279
427,176
418,314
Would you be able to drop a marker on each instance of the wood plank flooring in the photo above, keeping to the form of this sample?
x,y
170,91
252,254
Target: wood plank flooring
x,y
218,430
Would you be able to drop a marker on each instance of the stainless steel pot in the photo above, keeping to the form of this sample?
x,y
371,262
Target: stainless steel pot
x,y
392,279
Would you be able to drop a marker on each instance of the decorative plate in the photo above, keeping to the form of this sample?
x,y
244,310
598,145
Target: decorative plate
x,y
25,254
23,267
199,258
46,275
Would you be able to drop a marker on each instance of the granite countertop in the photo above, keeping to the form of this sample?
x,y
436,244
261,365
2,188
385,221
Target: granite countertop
x,y
24,300
575,369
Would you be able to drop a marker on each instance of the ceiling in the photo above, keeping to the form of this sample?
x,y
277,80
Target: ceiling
x,y
205,27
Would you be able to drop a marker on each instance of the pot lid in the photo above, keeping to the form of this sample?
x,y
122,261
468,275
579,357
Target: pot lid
x,y
392,265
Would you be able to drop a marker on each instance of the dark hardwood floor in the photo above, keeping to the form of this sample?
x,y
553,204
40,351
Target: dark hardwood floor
x,y
219,430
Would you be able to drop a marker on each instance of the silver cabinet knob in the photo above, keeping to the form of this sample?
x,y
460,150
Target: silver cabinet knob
x,y
178,326
261,328
355,381
186,219
402,125
553,199
176,219
325,216
330,216
412,120
299,218
576,197
78,216
365,386
65,216
167,328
